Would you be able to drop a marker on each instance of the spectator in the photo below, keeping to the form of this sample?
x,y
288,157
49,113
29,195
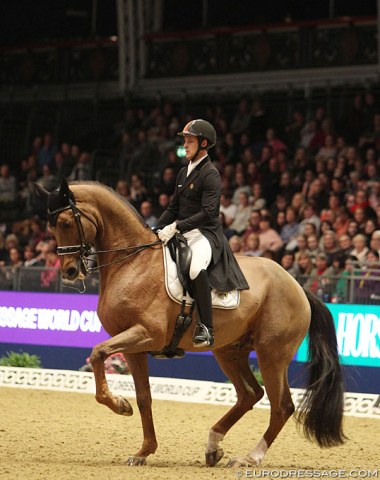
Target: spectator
x,y
329,245
48,180
122,188
251,246
30,257
320,283
146,211
344,281
360,247
366,288
269,238
46,153
313,247
50,274
240,222
256,200
235,243
290,229
375,241
8,186
82,169
305,268
309,215
228,208
288,263
138,191
345,245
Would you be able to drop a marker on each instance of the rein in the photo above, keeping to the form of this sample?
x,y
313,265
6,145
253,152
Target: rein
x,y
84,248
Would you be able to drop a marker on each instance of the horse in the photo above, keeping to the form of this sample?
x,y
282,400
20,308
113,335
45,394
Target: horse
x,y
273,317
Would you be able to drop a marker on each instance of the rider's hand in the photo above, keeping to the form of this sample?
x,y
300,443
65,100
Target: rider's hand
x,y
167,233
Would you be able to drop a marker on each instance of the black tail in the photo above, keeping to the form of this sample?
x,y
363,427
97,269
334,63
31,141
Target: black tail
x,y
321,410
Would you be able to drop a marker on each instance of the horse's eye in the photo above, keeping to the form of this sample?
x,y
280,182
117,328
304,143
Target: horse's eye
x,y
66,224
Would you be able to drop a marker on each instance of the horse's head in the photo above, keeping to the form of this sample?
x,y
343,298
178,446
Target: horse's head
x,y
73,229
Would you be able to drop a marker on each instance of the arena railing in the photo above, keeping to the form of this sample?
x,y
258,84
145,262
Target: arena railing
x,y
360,286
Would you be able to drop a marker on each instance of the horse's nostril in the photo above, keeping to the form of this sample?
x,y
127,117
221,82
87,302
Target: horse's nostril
x,y
72,272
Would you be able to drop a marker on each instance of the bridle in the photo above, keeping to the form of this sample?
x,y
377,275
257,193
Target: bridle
x,y
84,249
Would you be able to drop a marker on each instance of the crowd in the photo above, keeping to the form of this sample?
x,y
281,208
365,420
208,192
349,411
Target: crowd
x,y
306,196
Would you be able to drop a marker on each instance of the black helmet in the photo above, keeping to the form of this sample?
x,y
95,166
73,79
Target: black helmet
x,y
201,129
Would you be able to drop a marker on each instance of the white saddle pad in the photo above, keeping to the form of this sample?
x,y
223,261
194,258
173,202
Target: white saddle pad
x,y
226,300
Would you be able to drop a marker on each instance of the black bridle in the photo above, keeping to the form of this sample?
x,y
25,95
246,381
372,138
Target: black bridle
x,y
84,249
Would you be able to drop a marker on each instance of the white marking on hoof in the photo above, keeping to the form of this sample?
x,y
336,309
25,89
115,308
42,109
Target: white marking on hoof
x,y
258,453
136,461
213,441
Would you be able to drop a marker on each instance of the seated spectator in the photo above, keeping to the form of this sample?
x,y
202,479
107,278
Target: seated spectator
x,y
309,215
269,238
82,169
31,258
290,229
235,243
329,245
146,211
369,227
375,241
8,186
51,271
228,208
345,245
256,200
360,249
344,281
301,245
305,269
46,152
313,247
341,222
251,246
321,283
139,192
367,287
288,263
353,228
240,222
48,180
122,188
240,186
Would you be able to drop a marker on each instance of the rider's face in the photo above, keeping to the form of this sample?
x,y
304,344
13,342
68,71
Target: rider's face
x,y
191,146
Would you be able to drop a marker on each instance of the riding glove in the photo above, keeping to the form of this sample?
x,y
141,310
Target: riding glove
x,y
167,233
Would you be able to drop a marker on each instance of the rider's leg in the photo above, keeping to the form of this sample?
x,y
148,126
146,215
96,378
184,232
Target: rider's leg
x,y
201,258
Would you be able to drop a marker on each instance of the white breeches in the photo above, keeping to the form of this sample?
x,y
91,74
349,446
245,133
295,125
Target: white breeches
x,y
201,250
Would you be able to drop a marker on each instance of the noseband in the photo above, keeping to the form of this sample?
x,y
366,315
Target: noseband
x,y
84,249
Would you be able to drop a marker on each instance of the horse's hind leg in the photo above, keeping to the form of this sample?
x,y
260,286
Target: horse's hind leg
x,y
235,364
274,372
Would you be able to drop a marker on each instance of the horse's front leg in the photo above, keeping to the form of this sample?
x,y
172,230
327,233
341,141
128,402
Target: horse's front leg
x,y
134,343
138,365
134,340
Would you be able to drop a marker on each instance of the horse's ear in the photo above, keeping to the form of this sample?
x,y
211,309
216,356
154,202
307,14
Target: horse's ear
x,y
64,189
42,193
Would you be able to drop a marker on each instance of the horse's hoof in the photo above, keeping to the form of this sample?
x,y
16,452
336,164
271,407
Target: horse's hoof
x,y
125,407
136,461
212,458
241,462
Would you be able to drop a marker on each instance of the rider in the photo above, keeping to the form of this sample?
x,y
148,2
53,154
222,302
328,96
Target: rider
x,y
194,212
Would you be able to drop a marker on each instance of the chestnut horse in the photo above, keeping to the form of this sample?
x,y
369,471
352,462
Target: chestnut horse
x,y
273,317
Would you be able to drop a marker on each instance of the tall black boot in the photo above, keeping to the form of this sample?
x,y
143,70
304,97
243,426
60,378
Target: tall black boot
x,y
203,335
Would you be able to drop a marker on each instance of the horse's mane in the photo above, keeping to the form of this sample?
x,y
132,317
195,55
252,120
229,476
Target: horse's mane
x,y
124,202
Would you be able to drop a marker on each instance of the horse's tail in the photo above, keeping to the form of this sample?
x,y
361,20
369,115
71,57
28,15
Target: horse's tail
x,y
321,410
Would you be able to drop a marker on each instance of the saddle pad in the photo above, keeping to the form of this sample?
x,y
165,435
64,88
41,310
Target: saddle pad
x,y
224,300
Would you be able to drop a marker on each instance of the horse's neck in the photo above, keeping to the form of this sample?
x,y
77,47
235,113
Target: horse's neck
x,y
120,227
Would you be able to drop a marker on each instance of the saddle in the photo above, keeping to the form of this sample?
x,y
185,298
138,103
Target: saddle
x,y
181,254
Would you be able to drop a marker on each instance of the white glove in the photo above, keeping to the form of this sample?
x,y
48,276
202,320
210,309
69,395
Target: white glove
x,y
167,233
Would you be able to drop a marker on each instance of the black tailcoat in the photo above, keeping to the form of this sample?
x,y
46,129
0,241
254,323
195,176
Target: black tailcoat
x,y
195,204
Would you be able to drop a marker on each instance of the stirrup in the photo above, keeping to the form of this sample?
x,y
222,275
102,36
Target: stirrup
x,y
203,336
